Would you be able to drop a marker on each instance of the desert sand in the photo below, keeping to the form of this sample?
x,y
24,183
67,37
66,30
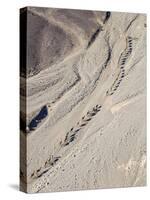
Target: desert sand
x,y
85,97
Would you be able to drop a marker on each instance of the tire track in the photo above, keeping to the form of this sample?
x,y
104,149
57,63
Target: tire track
x,y
72,134
74,131
70,137
122,61
47,165
83,122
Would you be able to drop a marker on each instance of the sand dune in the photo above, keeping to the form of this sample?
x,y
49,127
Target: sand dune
x,y
86,100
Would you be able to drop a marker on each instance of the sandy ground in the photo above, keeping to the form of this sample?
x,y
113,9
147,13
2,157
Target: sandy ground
x,y
92,133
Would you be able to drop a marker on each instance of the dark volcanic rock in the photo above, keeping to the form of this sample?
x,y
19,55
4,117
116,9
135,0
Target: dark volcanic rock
x,y
38,118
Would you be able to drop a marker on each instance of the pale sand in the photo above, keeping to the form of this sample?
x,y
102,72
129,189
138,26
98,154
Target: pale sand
x,y
108,145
